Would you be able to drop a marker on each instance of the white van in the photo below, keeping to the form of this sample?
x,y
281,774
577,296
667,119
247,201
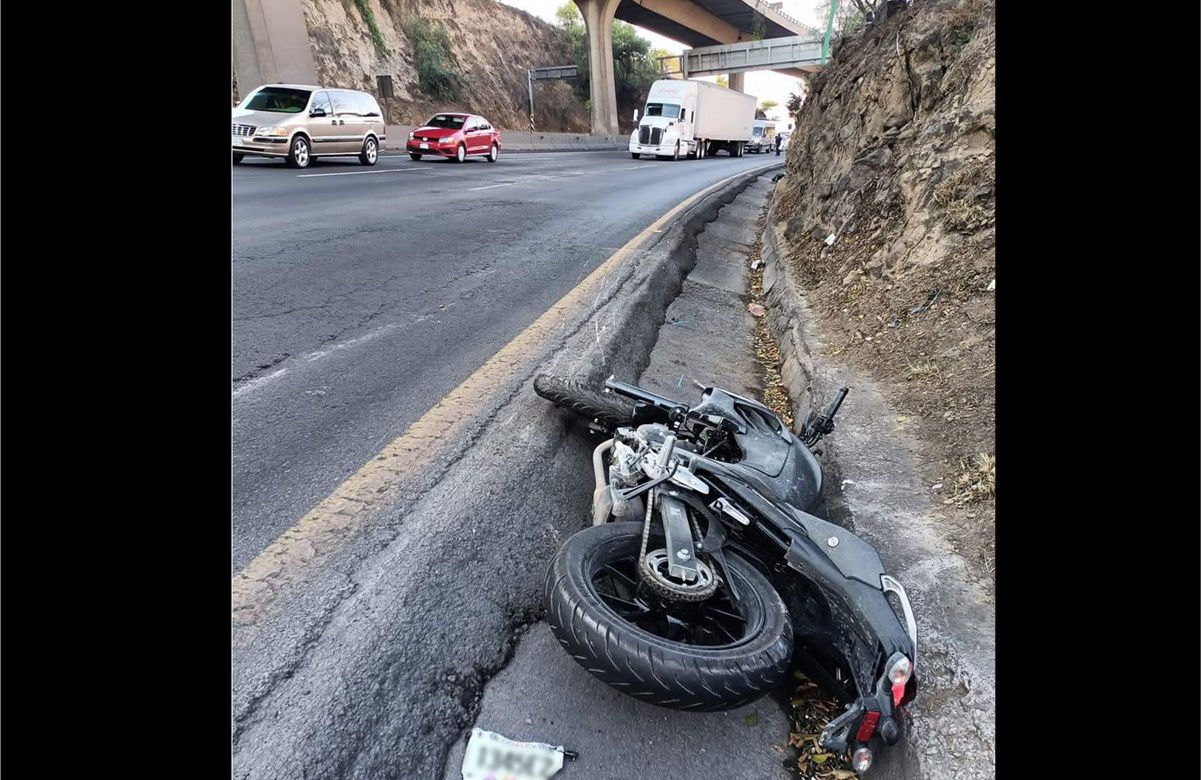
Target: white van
x,y
763,137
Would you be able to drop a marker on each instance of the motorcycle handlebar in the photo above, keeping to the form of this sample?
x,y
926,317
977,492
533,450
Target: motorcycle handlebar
x,y
638,394
832,409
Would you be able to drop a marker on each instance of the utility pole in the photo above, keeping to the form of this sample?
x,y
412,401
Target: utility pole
x,y
829,29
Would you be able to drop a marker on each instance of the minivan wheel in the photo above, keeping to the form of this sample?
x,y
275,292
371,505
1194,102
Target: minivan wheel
x,y
370,153
493,153
298,153
460,153
238,157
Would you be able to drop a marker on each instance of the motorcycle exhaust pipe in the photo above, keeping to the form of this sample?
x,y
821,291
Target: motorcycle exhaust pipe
x,y
602,496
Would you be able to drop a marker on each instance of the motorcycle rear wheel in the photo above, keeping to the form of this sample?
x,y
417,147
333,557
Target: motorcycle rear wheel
x,y
619,632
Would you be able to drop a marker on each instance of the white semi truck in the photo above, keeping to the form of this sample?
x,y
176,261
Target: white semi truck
x,y
685,118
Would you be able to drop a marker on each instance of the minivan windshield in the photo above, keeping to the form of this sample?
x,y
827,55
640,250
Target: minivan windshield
x,y
278,99
447,120
669,110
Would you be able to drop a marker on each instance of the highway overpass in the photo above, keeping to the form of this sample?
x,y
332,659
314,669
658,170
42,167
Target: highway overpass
x,y
697,23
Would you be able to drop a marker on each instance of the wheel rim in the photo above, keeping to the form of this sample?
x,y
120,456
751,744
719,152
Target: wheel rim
x,y
301,153
715,623
492,154
460,154
371,151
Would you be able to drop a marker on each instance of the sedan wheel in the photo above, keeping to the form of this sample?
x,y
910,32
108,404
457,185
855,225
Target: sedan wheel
x,y
493,153
460,153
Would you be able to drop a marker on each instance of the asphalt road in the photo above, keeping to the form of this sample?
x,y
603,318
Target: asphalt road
x,y
362,295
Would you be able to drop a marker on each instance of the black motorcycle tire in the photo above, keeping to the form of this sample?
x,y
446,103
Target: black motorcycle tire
x,y
609,411
651,668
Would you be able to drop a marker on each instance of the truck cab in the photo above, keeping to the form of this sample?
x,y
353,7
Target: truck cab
x,y
666,127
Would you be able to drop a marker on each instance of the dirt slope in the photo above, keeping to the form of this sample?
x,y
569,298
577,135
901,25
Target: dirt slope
x,y
889,204
494,45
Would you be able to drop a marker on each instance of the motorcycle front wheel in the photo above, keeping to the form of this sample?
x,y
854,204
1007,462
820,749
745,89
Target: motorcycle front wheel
x,y
715,655
607,410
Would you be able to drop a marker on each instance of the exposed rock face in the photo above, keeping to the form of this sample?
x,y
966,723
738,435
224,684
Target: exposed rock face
x,y
494,45
888,204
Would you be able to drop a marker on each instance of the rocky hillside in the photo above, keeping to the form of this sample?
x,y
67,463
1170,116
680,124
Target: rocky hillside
x,y
493,45
889,204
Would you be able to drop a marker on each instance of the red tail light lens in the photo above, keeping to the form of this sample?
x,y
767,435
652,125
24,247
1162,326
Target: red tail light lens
x,y
868,726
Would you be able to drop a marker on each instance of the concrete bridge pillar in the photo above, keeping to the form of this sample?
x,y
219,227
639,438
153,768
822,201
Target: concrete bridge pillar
x,y
602,86
738,81
270,44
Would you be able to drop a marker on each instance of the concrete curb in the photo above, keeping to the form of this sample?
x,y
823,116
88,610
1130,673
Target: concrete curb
x,y
874,486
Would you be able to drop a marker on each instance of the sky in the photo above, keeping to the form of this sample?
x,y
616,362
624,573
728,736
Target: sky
x,y
765,85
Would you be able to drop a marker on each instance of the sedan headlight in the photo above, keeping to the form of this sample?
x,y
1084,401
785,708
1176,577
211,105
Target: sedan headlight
x,y
273,131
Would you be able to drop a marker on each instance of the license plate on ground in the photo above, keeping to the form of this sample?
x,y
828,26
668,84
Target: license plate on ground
x,y
425,146
490,756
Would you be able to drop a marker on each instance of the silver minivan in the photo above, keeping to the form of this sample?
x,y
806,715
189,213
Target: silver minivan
x,y
302,123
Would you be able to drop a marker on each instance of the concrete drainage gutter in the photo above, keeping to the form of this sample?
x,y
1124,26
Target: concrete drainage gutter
x,y
874,486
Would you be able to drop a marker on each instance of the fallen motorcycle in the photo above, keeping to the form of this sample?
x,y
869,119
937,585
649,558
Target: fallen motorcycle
x,y
707,564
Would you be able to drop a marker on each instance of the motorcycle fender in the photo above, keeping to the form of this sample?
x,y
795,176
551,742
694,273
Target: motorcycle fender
x,y
855,558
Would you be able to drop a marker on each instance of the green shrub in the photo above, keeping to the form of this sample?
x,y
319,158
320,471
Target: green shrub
x,y
438,73
372,27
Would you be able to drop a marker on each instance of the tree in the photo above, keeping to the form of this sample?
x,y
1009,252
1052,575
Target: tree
x,y
635,66
853,16
768,105
723,81
657,56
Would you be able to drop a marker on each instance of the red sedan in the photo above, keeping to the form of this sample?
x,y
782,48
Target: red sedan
x,y
457,136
